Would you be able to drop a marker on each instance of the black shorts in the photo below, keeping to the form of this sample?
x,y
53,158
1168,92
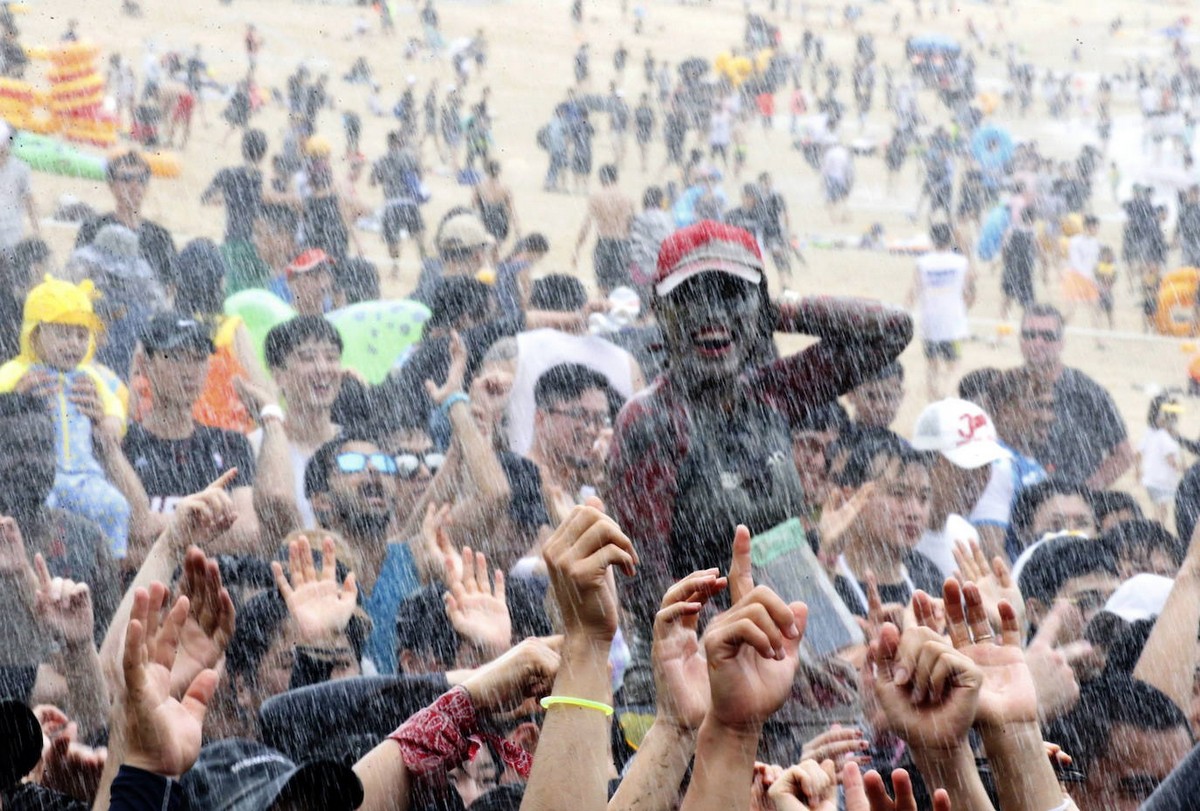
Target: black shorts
x,y
399,218
944,350
611,261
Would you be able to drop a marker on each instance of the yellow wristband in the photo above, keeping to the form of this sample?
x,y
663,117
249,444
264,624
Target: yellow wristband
x,y
550,701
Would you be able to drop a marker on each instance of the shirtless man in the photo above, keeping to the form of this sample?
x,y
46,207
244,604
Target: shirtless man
x,y
612,211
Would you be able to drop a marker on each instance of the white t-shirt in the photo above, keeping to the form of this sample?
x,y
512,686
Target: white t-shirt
x,y
938,544
943,278
300,457
14,191
1156,449
1083,254
995,503
541,349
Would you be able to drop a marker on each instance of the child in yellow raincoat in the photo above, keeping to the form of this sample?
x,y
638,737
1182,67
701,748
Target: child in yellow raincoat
x,y
58,340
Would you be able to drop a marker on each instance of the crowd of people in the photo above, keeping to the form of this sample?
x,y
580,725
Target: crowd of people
x,y
613,550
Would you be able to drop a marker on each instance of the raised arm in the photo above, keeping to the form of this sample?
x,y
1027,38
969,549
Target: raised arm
x,y
274,481
573,753
1168,661
858,337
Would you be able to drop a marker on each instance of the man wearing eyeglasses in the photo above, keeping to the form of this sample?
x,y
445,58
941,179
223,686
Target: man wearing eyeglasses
x,y
352,486
572,428
1087,443
128,176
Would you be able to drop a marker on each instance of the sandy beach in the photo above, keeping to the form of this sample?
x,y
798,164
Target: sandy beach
x,y
530,47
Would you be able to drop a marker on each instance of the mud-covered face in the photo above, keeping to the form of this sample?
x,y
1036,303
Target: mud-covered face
x,y
711,324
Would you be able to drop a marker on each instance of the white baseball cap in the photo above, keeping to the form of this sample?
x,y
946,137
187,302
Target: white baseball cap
x,y
960,431
1141,597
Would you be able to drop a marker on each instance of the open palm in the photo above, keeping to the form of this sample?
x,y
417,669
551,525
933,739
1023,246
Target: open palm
x,y
162,733
319,605
477,609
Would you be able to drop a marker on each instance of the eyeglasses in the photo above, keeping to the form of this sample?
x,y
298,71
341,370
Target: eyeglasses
x,y
409,463
1048,335
587,418
355,462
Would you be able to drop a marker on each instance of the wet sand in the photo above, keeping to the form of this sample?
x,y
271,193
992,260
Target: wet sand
x,y
531,44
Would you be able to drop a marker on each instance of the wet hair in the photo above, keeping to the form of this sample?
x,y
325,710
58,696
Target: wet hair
x,y
558,293
1031,498
357,279
652,197
608,174
1085,732
501,798
278,216
1061,559
567,381
1043,310
1129,536
873,452
1156,407
1107,502
532,243
941,235
284,339
258,624
423,627
458,297
254,145
25,254
395,407
828,417
492,168
200,271
129,159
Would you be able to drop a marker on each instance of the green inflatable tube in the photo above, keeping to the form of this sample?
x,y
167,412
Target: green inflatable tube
x,y
45,154
260,310
377,333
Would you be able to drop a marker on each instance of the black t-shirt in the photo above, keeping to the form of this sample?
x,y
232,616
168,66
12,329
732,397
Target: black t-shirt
x,y
396,172
922,573
241,186
774,208
1086,428
155,243
526,506
173,468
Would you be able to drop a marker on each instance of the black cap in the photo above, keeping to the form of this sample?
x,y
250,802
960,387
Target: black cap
x,y
242,775
20,742
167,331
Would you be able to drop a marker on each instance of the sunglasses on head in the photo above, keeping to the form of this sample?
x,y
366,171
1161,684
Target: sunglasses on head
x,y
355,462
409,463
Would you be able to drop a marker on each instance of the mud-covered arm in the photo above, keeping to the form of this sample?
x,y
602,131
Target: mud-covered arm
x,y
858,338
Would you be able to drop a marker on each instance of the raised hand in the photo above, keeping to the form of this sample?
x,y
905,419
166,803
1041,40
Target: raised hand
x,y
1051,665
68,766
209,624
455,374
253,396
320,606
524,673
870,793
680,671
837,744
162,734
13,559
993,579
807,786
1008,694
928,690
753,651
202,516
741,578
84,396
64,606
579,558
476,609
435,554
839,515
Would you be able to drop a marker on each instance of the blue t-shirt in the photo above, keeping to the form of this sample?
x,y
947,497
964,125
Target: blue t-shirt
x,y
397,580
